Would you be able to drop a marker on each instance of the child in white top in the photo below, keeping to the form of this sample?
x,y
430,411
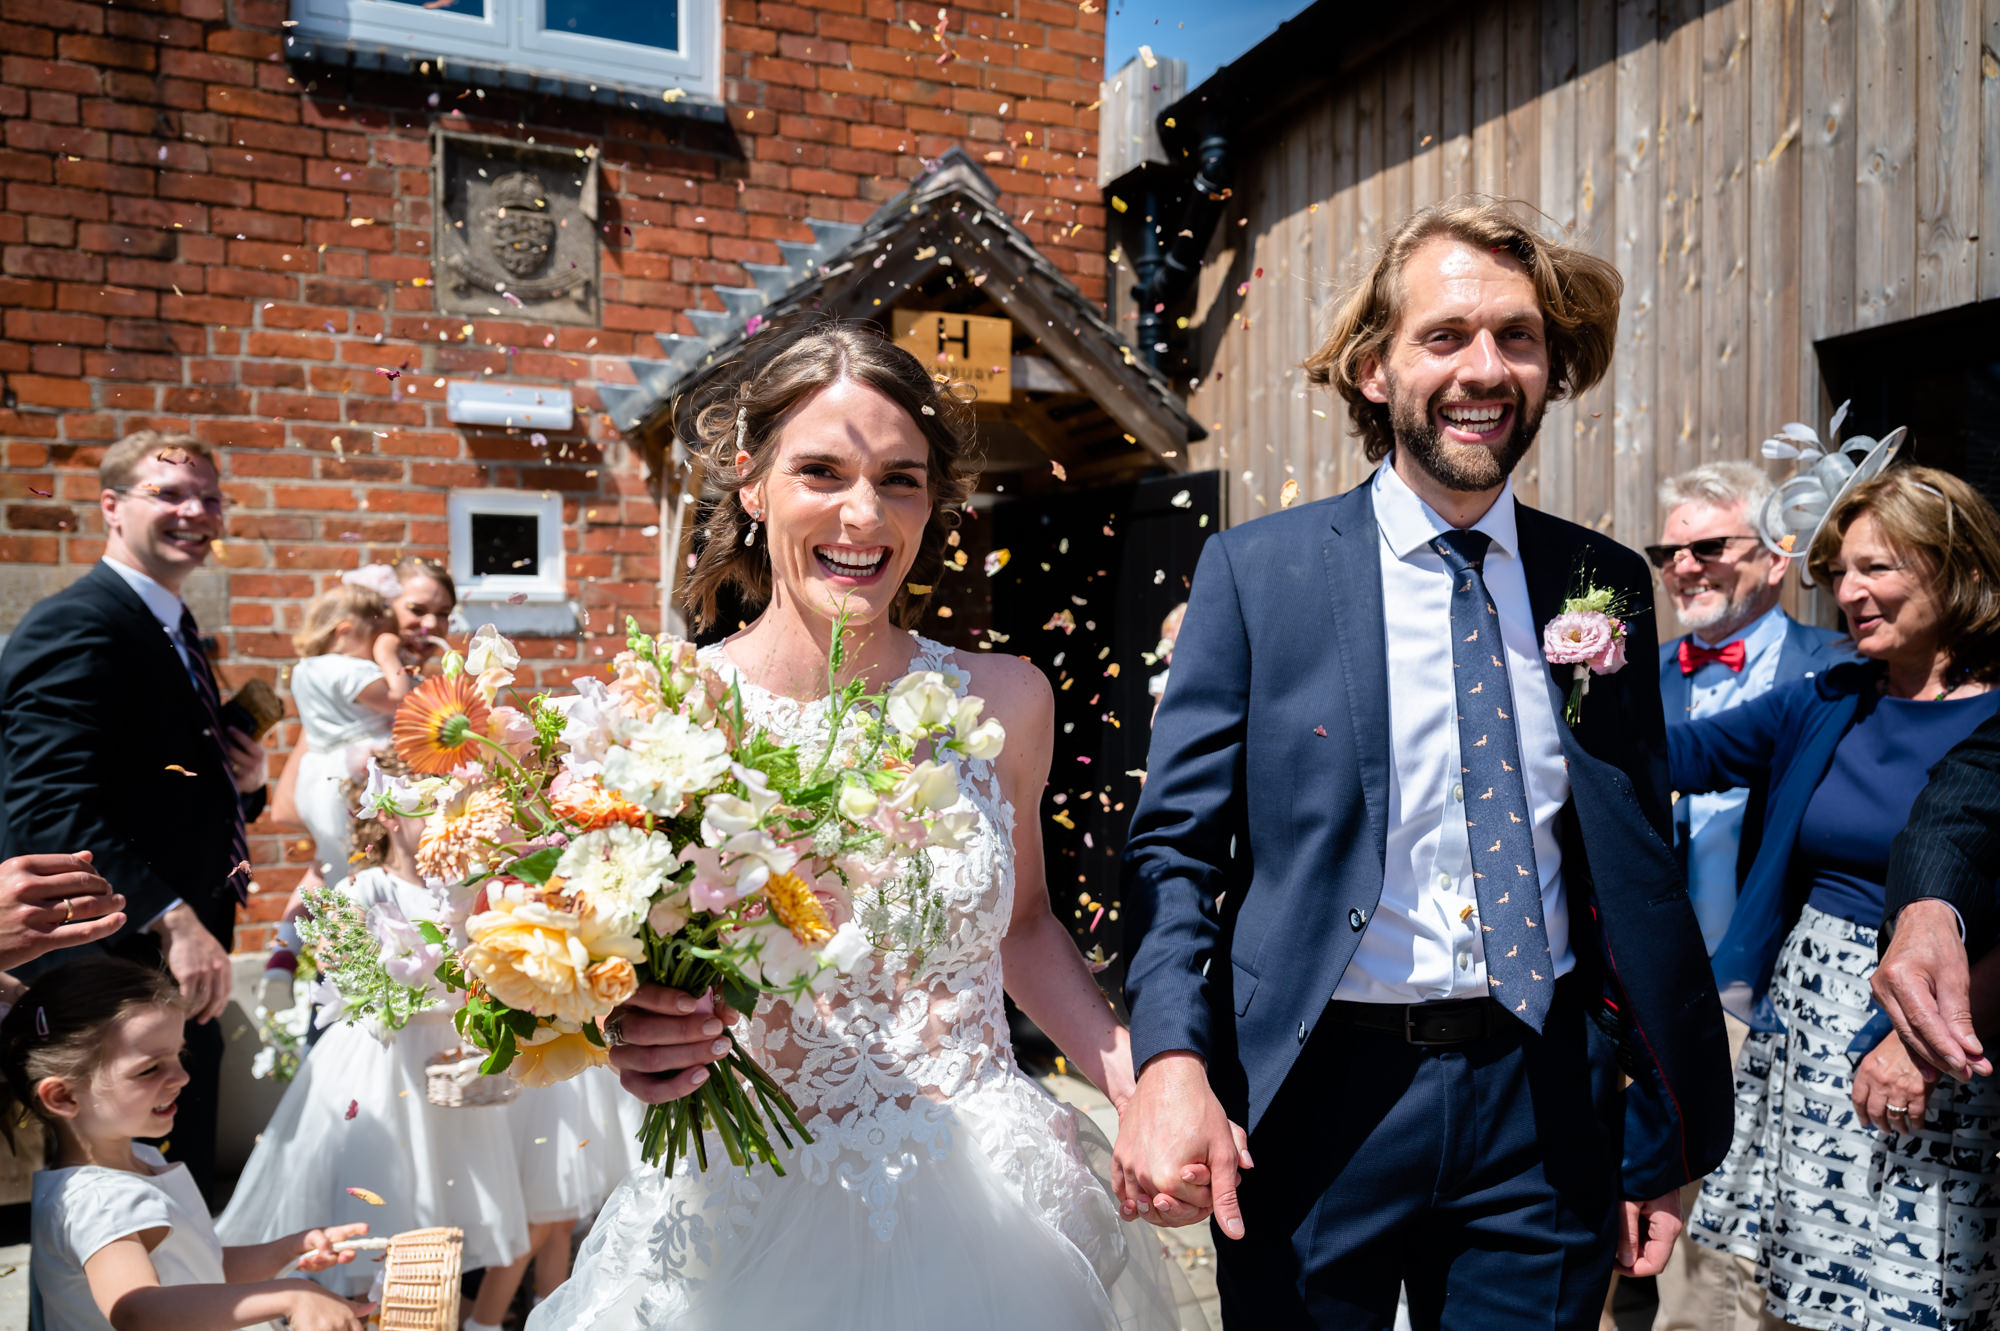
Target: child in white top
x,y
121,1238
348,685
356,1116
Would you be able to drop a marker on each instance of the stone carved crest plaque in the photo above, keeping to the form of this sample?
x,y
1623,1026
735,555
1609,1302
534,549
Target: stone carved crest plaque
x,y
516,229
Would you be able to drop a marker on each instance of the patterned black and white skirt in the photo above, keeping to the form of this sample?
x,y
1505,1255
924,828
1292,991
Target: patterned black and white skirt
x,y
1852,1229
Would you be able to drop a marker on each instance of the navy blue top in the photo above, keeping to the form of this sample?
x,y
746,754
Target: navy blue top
x,y
1878,769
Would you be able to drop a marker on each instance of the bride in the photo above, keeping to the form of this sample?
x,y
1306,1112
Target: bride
x,y
942,1186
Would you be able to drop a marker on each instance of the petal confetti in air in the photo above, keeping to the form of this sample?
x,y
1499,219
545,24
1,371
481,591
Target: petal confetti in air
x,y
1289,495
363,1194
997,560
353,1108
176,767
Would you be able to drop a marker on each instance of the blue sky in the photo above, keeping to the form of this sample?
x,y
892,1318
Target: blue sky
x,y
1205,33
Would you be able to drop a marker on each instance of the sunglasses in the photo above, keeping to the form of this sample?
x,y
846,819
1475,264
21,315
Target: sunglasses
x,y
1709,550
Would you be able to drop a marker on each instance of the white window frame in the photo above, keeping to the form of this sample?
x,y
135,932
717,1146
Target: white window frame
x,y
513,35
544,587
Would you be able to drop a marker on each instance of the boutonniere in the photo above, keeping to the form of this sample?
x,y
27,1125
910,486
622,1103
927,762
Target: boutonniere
x,y
1589,635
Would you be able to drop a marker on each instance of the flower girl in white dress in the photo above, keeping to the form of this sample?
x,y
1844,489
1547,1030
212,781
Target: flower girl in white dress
x,y
354,1127
942,1186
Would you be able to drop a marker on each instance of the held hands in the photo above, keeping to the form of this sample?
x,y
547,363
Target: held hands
x,y
663,1040
316,1246
52,901
1646,1234
1890,1088
1924,985
1178,1158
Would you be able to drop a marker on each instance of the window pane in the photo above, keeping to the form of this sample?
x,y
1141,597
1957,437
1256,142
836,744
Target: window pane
x,y
506,544
469,8
644,22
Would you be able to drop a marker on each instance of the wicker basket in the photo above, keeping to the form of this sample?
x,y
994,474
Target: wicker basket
x,y
420,1281
452,1081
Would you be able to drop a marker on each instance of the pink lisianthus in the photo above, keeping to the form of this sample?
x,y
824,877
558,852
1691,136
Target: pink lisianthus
x,y
1612,658
510,728
1580,637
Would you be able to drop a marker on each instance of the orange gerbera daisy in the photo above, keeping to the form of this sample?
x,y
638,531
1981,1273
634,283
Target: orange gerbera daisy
x,y
438,725
590,806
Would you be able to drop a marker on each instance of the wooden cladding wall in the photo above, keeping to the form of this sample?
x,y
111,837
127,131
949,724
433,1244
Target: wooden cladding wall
x,y
1763,172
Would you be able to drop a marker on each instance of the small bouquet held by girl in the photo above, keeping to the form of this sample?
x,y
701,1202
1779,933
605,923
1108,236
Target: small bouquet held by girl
x,y
640,830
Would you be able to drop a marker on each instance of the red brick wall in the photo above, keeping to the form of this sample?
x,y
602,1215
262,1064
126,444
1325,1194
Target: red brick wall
x,y
177,251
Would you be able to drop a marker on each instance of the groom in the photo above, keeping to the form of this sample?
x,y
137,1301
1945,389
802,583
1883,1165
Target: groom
x,y
1412,937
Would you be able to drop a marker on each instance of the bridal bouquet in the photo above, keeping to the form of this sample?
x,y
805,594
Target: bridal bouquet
x,y
639,829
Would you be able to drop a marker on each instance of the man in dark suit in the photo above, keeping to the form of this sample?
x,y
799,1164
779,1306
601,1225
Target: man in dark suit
x,y
1409,937
111,741
1943,908
1723,584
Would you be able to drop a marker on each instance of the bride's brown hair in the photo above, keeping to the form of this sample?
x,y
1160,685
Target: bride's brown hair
x,y
815,357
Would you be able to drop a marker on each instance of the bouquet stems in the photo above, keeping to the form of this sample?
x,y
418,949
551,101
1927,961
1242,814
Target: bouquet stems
x,y
745,1125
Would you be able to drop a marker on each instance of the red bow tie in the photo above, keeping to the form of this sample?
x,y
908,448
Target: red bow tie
x,y
1694,658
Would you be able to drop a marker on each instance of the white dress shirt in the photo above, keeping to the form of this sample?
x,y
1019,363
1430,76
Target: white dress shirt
x,y
1715,822
1422,943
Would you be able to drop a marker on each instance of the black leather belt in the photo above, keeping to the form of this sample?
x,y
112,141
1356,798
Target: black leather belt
x,y
1432,1025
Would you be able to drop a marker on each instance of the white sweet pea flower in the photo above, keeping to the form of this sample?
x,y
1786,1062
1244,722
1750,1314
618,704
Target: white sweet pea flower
x,y
926,787
919,703
848,948
669,914
857,802
985,741
966,715
489,651
590,726
723,816
658,763
950,831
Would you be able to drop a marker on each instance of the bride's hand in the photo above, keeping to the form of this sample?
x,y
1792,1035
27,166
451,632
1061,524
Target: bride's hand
x,y
665,1042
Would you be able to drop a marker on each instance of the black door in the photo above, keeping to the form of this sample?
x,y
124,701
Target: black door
x,y
1088,578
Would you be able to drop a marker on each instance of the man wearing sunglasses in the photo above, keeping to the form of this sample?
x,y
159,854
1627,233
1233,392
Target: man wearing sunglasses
x,y
1723,582
113,740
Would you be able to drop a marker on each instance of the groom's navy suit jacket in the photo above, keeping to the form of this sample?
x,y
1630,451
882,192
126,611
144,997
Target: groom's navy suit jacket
x,y
1268,785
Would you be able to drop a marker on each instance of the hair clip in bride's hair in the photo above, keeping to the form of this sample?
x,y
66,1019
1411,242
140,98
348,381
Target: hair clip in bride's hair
x,y
742,423
41,1022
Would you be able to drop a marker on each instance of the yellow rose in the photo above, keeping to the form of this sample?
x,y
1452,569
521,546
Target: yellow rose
x,y
555,1055
611,982
529,956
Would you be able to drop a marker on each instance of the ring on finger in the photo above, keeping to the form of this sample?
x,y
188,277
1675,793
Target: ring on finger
x,y
69,910
613,1028
1898,1109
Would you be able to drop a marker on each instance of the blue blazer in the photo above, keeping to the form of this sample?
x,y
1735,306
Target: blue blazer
x,y
1784,740
1269,780
1806,651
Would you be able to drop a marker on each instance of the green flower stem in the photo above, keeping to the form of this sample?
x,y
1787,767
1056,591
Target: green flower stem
x,y
671,1131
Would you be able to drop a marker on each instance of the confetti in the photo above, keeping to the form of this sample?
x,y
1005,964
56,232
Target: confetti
x,y
919,588
42,493
1146,54
1289,495
363,1194
511,299
516,598
997,560
353,1108
1061,473
176,767
1181,499
1061,619
1320,731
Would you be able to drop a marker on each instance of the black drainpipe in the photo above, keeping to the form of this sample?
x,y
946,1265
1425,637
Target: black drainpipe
x,y
1165,272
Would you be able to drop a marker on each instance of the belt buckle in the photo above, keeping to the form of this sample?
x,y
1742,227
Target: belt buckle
x,y
1410,1035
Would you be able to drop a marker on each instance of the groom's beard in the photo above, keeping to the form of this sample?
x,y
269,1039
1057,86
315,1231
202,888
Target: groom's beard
x,y
1467,467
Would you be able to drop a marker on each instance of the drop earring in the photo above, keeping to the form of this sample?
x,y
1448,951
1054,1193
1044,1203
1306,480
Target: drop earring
x,y
750,537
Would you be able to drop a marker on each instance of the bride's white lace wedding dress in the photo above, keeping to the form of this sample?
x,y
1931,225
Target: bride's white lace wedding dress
x,y
942,1186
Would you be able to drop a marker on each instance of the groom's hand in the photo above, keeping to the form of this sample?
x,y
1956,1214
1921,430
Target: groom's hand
x,y
1178,1155
1646,1234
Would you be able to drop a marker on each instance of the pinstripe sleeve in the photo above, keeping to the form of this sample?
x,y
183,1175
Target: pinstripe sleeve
x,y
1950,849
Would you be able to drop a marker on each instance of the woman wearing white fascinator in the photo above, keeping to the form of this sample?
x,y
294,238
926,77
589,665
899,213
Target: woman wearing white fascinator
x,y
1845,1183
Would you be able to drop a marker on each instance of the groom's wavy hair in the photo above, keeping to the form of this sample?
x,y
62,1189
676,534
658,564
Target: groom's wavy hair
x,y
1578,293
802,359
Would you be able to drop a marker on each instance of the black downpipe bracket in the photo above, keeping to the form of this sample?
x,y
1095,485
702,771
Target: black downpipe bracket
x,y
1167,272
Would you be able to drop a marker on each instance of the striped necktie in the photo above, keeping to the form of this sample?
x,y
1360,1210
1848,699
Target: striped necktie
x,y
1499,825
211,703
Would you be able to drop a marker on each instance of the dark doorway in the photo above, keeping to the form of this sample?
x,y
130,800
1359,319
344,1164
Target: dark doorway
x,y
1939,375
1089,576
